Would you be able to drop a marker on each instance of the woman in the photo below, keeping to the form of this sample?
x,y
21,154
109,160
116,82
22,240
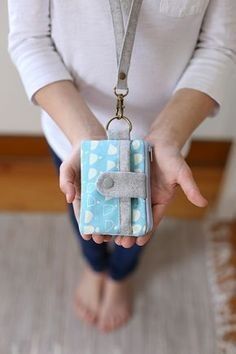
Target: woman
x,y
183,57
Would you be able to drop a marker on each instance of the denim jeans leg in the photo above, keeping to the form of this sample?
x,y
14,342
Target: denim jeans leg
x,y
124,261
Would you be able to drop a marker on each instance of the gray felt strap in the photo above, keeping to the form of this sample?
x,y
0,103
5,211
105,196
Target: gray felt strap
x,y
118,134
124,39
122,184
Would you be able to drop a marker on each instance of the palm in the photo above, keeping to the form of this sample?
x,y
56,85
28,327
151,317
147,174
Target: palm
x,y
163,180
170,170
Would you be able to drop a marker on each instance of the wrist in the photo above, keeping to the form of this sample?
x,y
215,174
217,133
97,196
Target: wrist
x,y
165,136
87,133
180,117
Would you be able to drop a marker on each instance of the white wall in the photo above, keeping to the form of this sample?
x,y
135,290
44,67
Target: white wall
x,y
17,116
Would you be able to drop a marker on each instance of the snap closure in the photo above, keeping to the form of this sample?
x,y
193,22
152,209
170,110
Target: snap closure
x,y
122,184
108,183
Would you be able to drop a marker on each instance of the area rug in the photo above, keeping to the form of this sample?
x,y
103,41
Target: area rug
x,y
39,269
221,262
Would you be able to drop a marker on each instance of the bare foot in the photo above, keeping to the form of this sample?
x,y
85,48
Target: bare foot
x,y
89,294
116,307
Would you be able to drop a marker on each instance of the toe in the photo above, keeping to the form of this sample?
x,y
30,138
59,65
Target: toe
x,y
85,313
112,323
116,321
122,319
90,316
80,309
102,325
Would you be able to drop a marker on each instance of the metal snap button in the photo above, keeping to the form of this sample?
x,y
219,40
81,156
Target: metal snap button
x,y
108,183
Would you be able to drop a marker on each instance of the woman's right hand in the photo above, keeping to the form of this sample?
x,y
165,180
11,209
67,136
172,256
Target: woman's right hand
x,y
70,182
69,179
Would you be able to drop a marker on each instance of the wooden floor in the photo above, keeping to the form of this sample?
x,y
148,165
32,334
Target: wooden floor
x,y
28,179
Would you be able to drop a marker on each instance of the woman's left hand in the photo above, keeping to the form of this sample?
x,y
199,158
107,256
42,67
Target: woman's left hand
x,y
168,171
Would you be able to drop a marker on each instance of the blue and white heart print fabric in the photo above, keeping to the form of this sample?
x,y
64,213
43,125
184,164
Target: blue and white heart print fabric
x,y
100,214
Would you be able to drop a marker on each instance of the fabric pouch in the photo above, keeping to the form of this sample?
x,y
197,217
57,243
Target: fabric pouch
x,y
115,187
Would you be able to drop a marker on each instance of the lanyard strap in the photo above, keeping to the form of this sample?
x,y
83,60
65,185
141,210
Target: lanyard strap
x,y
124,38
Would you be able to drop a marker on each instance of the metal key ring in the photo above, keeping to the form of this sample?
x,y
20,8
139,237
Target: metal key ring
x,y
119,118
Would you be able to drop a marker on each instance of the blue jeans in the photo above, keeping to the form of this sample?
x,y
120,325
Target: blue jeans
x,y
119,262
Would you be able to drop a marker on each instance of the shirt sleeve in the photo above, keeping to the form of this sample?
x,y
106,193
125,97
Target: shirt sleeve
x,y
31,47
214,58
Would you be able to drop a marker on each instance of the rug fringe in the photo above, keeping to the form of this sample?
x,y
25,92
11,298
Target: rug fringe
x,y
221,267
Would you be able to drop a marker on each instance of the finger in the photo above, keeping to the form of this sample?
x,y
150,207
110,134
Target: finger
x,y
118,240
158,211
66,181
107,238
86,237
190,188
142,240
76,208
98,238
127,241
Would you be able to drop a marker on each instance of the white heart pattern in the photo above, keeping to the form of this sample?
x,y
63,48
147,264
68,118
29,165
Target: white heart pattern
x,y
93,158
110,165
91,201
88,229
93,145
136,215
92,173
112,150
109,224
138,158
136,229
136,144
88,216
107,209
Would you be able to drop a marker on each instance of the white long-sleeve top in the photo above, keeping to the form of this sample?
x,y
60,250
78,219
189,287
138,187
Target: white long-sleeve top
x,y
178,44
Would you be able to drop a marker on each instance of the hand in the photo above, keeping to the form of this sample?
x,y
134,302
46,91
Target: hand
x,y
70,178
170,170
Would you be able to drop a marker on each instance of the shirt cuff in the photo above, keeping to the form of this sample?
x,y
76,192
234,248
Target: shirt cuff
x,y
35,74
208,76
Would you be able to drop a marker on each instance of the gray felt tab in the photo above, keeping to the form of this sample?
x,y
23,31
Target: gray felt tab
x,y
122,184
123,134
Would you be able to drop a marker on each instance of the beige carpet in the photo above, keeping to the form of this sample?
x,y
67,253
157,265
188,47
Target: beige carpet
x,y
221,262
39,268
